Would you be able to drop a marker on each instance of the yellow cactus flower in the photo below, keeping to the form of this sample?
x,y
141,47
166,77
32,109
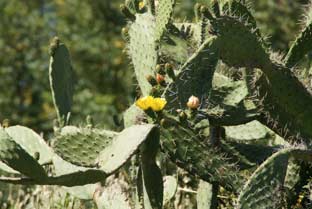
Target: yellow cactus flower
x,y
144,103
156,104
141,5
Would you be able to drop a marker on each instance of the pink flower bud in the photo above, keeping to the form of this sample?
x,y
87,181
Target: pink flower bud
x,y
193,102
160,78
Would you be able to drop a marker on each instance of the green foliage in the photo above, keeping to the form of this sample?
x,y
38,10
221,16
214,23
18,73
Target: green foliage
x,y
216,101
95,45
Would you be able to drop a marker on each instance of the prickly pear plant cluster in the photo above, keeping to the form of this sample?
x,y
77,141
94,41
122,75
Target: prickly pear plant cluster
x,y
214,99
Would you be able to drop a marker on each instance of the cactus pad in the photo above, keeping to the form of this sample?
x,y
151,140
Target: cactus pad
x,y
170,188
115,155
163,14
247,133
265,188
82,146
194,78
142,49
31,142
232,36
62,167
301,46
186,150
133,116
61,78
17,158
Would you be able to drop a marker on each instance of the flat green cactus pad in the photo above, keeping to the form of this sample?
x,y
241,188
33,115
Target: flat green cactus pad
x,y
205,195
174,48
194,78
229,102
226,91
142,49
31,142
238,9
113,195
18,159
150,181
61,78
124,145
238,45
287,103
210,164
250,132
265,188
163,14
170,188
301,46
62,167
82,146
133,116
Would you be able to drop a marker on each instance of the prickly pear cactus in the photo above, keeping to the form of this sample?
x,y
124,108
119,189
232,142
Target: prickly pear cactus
x,y
248,136
61,78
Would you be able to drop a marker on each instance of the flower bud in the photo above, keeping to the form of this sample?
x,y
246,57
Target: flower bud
x,y
160,79
193,102
154,91
141,5
160,70
169,71
125,33
165,123
151,80
182,116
